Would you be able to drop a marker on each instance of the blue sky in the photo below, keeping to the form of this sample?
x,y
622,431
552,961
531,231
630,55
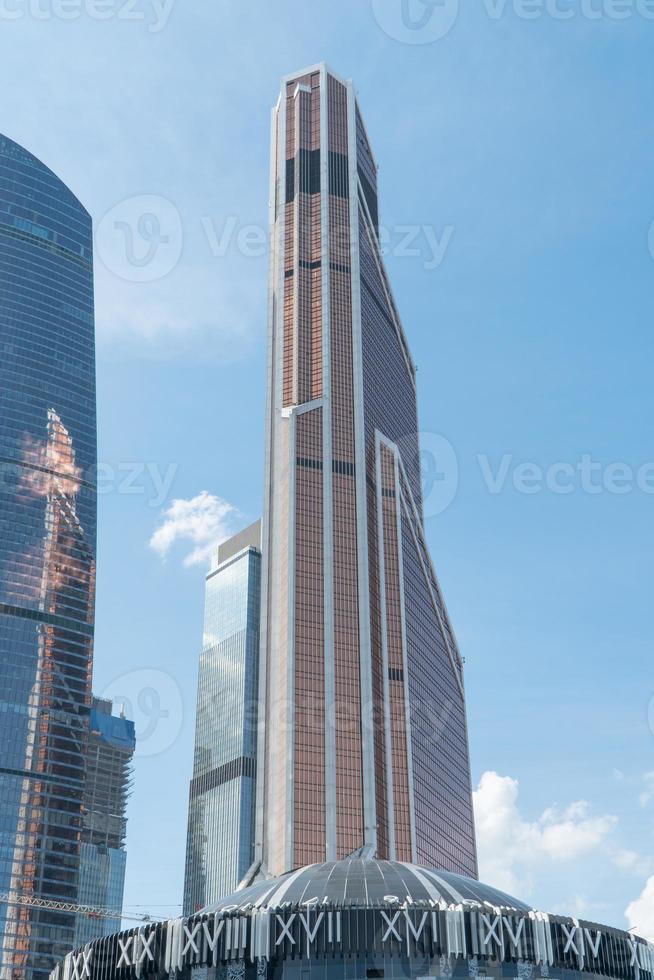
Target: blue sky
x,y
517,150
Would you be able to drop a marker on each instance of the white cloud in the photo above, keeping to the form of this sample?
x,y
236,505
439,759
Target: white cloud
x,y
640,914
578,907
629,861
204,521
510,847
191,314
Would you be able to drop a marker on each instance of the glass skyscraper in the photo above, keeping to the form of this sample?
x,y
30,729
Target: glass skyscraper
x,y
220,846
47,554
362,761
103,858
364,741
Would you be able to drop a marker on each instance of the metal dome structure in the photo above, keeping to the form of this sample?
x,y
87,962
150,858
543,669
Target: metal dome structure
x,y
359,919
361,883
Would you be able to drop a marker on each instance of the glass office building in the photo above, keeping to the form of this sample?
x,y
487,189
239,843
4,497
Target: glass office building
x,y
47,554
362,678
220,841
103,858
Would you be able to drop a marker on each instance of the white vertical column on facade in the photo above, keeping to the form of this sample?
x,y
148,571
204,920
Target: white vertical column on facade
x,y
424,557
405,659
289,715
271,372
278,743
328,522
365,653
280,464
388,737
297,109
288,733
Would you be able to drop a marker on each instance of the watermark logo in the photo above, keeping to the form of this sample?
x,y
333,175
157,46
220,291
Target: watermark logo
x,y
416,21
417,242
153,13
152,699
439,467
426,243
152,481
149,480
585,475
250,241
426,21
440,475
562,10
141,239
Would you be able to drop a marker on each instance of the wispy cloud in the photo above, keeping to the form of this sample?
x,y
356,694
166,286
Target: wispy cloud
x,y
631,862
189,314
511,847
203,521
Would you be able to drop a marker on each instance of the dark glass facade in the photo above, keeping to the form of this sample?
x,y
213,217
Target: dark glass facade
x,y
103,858
220,841
362,679
47,553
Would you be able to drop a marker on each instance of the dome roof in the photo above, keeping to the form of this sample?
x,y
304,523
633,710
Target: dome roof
x,y
356,882
372,910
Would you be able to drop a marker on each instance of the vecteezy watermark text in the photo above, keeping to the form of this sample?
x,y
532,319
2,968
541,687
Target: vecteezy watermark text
x,y
146,479
440,475
586,476
153,13
152,699
406,241
153,481
426,21
141,239
570,9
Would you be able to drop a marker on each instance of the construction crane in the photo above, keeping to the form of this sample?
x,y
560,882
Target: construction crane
x,y
93,913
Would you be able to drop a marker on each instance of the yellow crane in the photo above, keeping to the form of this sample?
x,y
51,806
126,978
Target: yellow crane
x,y
92,911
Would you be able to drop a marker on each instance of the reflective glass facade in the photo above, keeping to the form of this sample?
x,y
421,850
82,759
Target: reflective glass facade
x,y
47,553
362,679
102,885
222,795
103,858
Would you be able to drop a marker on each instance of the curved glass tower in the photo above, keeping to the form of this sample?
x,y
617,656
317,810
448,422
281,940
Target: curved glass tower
x,y
47,554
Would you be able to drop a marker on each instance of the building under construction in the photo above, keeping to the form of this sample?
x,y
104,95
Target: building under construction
x,y
102,854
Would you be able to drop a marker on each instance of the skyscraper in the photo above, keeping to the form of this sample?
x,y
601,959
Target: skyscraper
x,y
47,553
103,857
220,845
365,741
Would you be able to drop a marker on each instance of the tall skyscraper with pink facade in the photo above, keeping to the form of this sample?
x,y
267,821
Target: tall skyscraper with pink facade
x,y
363,744
363,863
